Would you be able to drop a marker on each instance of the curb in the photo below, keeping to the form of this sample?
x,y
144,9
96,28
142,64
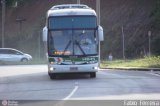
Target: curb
x,y
134,68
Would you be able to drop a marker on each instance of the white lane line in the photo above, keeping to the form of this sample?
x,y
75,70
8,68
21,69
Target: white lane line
x,y
73,91
62,103
109,74
151,73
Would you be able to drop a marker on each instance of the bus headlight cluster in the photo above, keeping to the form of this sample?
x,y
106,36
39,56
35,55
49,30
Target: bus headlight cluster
x,y
51,62
52,69
95,68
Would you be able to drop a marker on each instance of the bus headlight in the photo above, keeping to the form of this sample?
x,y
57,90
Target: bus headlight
x,y
51,62
95,68
51,69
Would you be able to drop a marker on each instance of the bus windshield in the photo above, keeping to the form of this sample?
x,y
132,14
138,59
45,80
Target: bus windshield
x,y
68,22
72,42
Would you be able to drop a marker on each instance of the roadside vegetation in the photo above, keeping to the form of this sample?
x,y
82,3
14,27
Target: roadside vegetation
x,y
136,17
146,62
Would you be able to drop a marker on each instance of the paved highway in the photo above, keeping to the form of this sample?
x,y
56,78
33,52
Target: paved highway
x,y
31,82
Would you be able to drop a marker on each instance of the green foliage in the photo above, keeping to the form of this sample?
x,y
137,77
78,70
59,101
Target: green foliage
x,y
132,14
155,45
157,15
12,2
146,62
155,40
153,61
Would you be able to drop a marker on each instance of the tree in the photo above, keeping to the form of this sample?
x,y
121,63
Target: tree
x,y
157,15
12,2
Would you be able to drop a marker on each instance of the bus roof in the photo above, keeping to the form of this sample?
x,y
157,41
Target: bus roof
x,y
70,9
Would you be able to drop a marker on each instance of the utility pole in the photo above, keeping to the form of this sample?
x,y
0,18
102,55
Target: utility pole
x,y
98,23
149,42
39,44
78,1
3,20
98,11
123,44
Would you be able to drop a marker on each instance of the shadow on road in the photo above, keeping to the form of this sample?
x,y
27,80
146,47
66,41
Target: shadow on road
x,y
71,76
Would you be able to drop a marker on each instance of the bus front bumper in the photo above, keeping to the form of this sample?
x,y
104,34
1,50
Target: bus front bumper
x,y
87,68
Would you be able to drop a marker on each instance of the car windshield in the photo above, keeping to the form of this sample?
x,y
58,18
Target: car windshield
x,y
15,52
72,42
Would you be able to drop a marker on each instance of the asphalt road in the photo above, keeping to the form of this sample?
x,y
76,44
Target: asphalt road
x,y
31,82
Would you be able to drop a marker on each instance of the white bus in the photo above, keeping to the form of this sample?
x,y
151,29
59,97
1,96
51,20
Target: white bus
x,y
73,38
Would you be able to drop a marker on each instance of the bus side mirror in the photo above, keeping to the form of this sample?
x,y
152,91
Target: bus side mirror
x,y
100,33
45,33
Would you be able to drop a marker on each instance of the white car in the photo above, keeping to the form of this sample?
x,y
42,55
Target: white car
x,y
13,55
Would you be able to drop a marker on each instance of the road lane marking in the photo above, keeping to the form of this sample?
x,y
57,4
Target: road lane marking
x,y
62,103
73,91
119,76
154,74
109,74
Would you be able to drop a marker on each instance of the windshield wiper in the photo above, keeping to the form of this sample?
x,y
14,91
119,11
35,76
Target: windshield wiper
x,y
77,43
69,43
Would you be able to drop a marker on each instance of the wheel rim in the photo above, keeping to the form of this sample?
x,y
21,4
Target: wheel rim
x,y
24,60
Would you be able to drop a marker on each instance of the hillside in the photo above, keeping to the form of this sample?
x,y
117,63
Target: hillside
x,y
134,15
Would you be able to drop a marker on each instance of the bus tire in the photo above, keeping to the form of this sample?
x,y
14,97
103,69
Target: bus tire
x,y
93,74
52,76
24,60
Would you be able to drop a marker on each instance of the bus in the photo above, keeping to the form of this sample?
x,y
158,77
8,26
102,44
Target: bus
x,y
73,40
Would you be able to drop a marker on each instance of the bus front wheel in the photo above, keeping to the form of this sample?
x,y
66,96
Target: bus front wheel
x,y
93,74
52,76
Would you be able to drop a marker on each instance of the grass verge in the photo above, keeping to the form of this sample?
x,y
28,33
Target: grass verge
x,y
146,62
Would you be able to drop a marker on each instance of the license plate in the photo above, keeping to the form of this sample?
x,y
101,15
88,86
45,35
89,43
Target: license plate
x,y
73,68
